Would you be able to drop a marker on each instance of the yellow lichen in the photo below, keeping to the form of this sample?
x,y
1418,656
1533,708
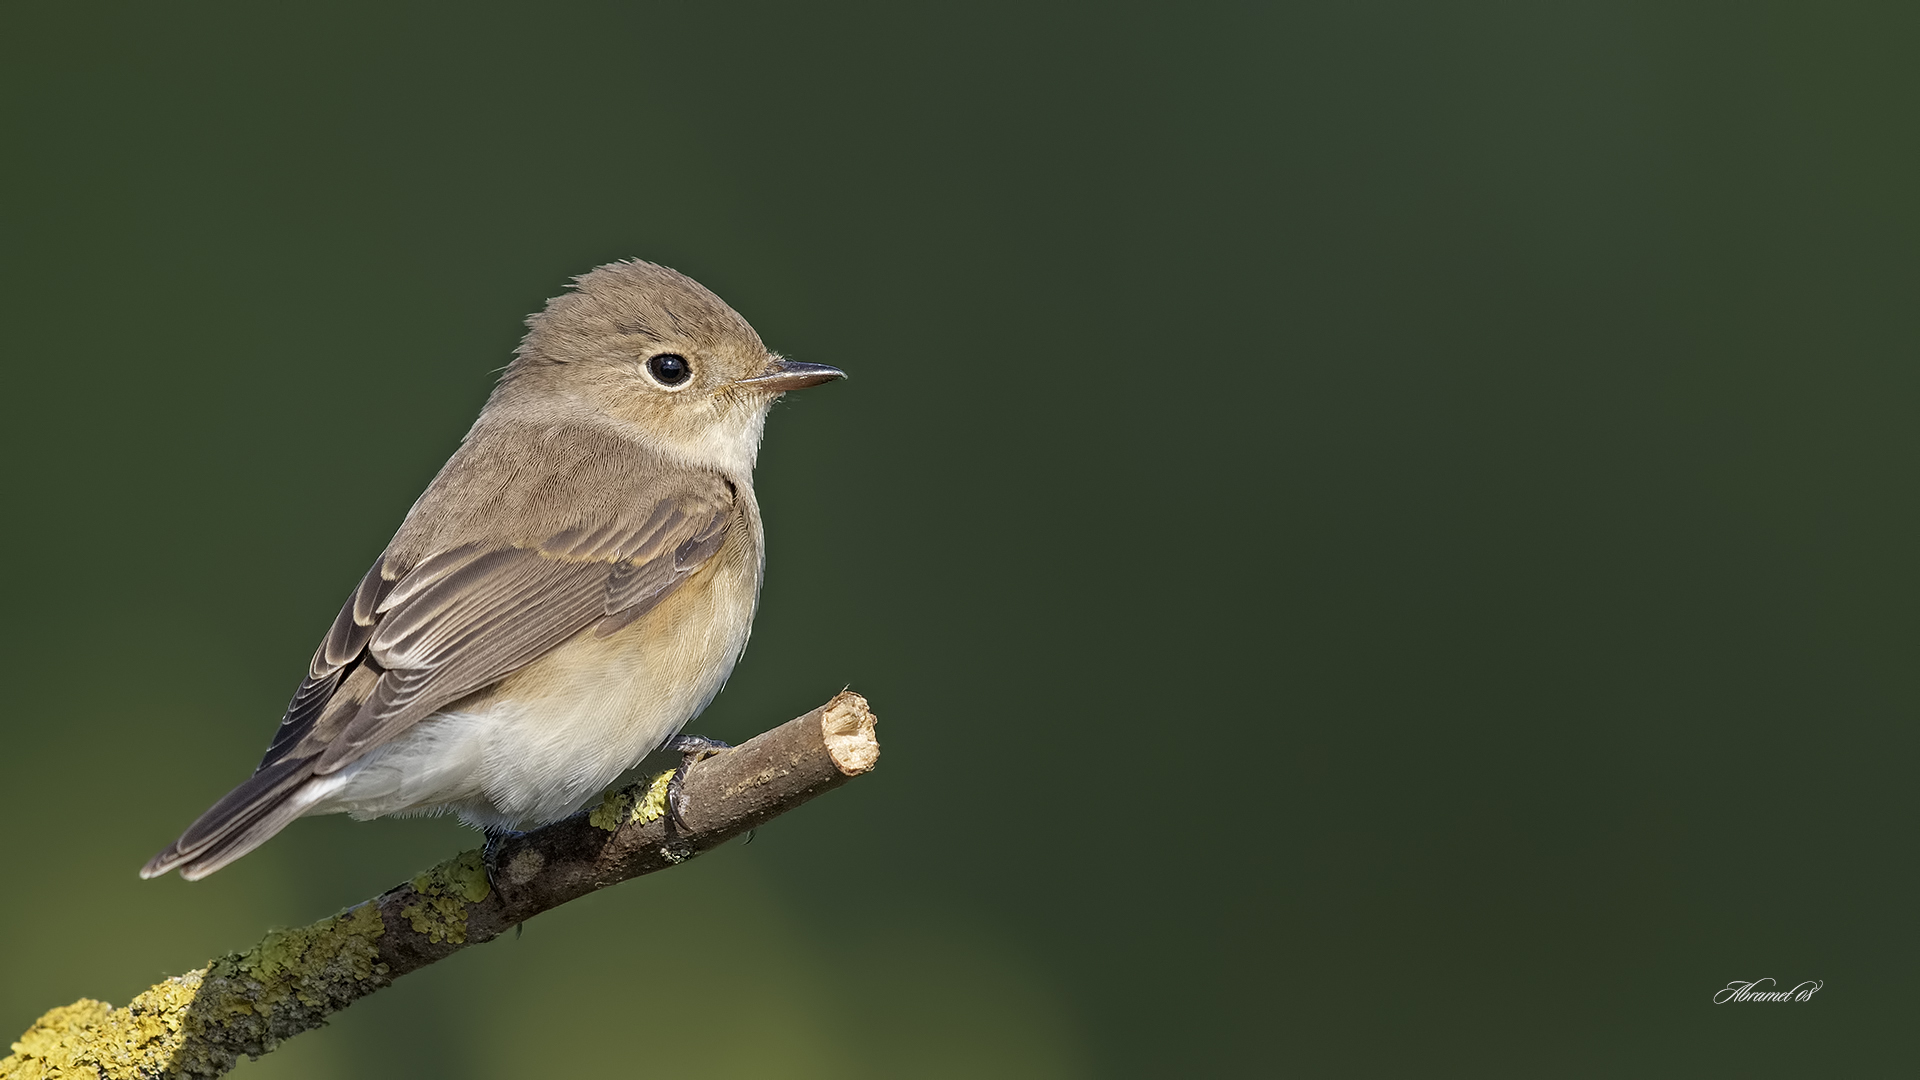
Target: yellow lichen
x,y
281,986
57,1042
445,891
652,806
297,963
630,804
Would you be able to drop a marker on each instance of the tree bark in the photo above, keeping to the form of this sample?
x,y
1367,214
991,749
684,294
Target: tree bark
x,y
198,1024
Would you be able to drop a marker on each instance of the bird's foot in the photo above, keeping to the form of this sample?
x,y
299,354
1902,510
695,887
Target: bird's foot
x,y
491,850
691,749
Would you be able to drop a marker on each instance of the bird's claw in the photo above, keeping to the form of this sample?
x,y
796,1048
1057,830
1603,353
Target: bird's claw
x,y
497,839
691,748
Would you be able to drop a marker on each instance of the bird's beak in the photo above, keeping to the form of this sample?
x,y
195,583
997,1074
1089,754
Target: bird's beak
x,y
783,375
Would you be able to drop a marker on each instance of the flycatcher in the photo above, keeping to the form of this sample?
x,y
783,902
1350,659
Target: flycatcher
x,y
570,591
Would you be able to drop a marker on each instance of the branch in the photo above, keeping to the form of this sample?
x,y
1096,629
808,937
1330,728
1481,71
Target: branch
x,y
199,1023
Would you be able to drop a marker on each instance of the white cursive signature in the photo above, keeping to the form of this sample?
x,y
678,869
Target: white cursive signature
x,y
1748,991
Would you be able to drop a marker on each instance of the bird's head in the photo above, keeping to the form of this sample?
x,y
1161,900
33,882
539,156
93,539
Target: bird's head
x,y
649,347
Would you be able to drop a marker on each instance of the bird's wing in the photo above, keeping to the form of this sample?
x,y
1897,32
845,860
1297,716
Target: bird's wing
x,y
415,638
463,619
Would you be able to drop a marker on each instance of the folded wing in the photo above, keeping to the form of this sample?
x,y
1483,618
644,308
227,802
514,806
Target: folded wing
x,y
414,639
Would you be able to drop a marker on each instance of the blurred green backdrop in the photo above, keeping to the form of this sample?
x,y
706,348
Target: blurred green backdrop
x,y
1380,534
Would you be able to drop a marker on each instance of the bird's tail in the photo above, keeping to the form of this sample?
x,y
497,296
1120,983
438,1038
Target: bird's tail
x,y
242,820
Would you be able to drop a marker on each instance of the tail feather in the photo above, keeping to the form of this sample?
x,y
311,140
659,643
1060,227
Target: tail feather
x,y
242,820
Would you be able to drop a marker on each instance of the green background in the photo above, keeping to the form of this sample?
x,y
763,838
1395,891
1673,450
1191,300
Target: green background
x,y
1381,535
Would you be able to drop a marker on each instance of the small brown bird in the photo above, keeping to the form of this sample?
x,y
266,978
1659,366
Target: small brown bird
x,y
569,592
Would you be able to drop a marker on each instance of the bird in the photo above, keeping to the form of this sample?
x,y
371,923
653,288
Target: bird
x,y
574,586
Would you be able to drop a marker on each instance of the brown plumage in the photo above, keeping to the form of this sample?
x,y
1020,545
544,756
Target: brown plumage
x,y
571,589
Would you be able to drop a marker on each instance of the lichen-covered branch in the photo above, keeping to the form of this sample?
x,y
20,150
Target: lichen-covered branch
x,y
198,1024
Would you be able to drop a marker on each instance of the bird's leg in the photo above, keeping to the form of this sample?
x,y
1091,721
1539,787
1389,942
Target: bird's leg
x,y
497,837
691,748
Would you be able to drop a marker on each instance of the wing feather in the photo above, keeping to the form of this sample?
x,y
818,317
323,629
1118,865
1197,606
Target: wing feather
x,y
442,615
463,619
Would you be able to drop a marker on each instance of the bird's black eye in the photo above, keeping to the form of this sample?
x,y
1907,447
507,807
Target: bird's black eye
x,y
671,369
